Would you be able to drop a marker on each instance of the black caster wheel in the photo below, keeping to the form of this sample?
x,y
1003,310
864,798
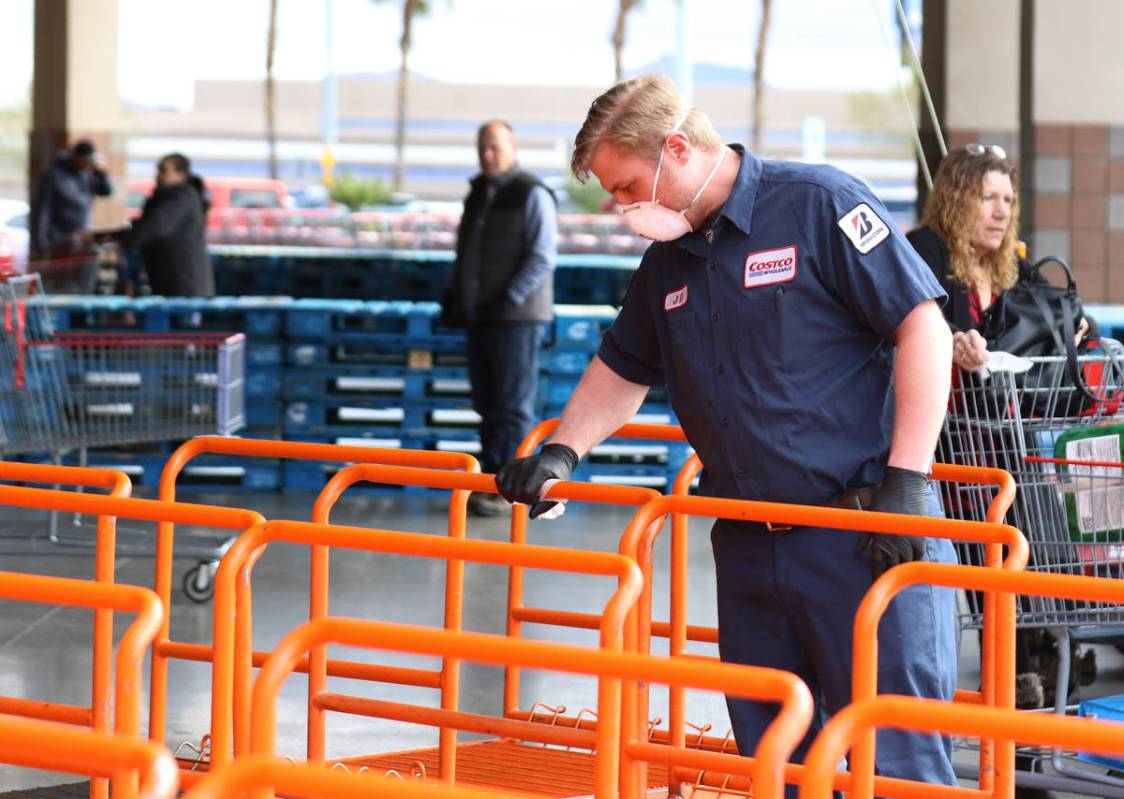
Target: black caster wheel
x,y
199,583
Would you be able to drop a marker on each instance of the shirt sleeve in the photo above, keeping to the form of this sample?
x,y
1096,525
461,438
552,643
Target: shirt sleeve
x,y
876,273
541,225
630,347
100,184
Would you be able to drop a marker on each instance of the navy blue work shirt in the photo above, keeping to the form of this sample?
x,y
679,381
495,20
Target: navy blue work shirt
x,y
773,332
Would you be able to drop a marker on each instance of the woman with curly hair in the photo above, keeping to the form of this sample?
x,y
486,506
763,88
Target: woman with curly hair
x,y
968,236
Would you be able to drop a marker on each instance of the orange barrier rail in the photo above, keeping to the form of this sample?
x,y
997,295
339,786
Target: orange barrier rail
x,y
320,782
1004,583
233,629
639,538
677,629
908,713
616,747
105,543
517,613
165,647
125,759
130,652
147,510
1004,497
318,579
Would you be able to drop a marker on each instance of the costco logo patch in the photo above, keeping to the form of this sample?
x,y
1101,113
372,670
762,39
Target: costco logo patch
x,y
675,299
864,228
770,266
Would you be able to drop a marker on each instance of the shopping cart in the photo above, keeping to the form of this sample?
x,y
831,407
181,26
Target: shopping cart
x,y
62,393
1063,447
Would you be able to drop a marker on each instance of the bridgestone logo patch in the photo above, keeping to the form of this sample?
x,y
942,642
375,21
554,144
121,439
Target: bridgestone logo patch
x,y
864,228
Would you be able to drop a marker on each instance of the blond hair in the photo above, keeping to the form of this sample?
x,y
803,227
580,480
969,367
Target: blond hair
x,y
953,208
636,115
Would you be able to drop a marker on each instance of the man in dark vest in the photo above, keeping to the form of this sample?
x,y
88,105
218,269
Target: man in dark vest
x,y
502,291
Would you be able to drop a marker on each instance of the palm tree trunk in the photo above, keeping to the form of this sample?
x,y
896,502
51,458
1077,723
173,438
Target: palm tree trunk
x,y
623,7
408,8
270,91
759,77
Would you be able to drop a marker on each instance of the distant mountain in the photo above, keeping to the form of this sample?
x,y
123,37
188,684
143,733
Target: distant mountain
x,y
704,73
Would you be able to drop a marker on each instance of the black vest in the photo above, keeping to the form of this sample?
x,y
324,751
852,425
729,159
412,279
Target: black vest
x,y
491,246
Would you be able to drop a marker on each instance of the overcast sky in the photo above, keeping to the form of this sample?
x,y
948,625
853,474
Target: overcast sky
x,y
165,45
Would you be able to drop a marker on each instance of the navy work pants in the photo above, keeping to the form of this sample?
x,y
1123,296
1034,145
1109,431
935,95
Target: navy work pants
x,y
787,600
503,366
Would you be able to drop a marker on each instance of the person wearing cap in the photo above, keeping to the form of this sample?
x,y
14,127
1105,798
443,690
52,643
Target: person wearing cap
x,y
65,199
802,344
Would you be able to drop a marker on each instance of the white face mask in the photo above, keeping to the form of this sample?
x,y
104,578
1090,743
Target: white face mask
x,y
653,221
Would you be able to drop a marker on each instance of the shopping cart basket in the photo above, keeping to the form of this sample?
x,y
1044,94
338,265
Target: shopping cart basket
x,y
1064,450
67,392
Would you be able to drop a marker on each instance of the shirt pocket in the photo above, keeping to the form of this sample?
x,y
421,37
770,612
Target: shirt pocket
x,y
767,337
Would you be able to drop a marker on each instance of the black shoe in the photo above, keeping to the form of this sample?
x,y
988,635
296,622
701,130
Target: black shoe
x,y
488,505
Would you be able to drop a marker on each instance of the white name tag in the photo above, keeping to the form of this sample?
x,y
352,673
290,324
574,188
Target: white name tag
x,y
770,266
675,299
864,228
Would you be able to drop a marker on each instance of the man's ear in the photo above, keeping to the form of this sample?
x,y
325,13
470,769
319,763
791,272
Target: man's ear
x,y
678,147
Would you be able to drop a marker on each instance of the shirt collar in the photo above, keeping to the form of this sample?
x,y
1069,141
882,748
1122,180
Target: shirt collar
x,y
738,207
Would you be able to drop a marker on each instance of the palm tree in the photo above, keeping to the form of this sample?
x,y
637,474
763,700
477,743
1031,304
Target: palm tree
x,y
270,90
619,35
410,10
759,76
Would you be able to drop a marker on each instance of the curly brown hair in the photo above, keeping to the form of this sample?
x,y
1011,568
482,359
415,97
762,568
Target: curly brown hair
x,y
953,207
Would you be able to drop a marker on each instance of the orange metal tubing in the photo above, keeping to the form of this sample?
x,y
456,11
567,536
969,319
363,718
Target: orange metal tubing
x,y
232,630
1004,583
105,546
454,595
638,540
131,508
39,744
519,517
776,746
293,450
319,782
909,713
131,650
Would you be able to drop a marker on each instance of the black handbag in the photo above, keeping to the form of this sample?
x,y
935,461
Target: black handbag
x,y
1035,318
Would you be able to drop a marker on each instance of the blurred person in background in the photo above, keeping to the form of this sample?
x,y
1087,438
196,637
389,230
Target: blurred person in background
x,y
969,238
502,291
65,199
171,232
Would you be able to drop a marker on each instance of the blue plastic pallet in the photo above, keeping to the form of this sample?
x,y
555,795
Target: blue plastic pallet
x,y
267,413
342,380
254,316
331,418
1106,708
581,326
319,353
394,321
262,382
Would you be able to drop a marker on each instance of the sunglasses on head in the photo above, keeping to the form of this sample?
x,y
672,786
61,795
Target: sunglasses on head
x,y
980,149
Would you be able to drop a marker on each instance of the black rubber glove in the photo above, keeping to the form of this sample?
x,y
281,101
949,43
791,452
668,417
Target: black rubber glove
x,y
902,491
521,480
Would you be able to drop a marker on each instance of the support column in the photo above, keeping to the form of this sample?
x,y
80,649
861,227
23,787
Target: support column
x,y
1079,142
74,92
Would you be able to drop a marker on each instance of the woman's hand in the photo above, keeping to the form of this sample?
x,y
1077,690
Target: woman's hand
x,y
1082,330
969,350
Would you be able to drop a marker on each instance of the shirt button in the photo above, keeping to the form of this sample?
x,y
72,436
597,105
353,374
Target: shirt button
x,y
716,316
713,266
721,369
726,421
740,473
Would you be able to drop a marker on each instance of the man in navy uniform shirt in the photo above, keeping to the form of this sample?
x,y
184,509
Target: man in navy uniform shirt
x,y
804,351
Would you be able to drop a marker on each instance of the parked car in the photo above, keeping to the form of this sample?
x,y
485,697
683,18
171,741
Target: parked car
x,y
14,236
225,193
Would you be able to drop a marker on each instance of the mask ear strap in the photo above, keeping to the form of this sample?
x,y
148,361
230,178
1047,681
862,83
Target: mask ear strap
x,y
659,164
709,178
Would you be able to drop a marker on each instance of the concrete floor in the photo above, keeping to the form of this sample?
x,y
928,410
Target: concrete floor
x,y
44,650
